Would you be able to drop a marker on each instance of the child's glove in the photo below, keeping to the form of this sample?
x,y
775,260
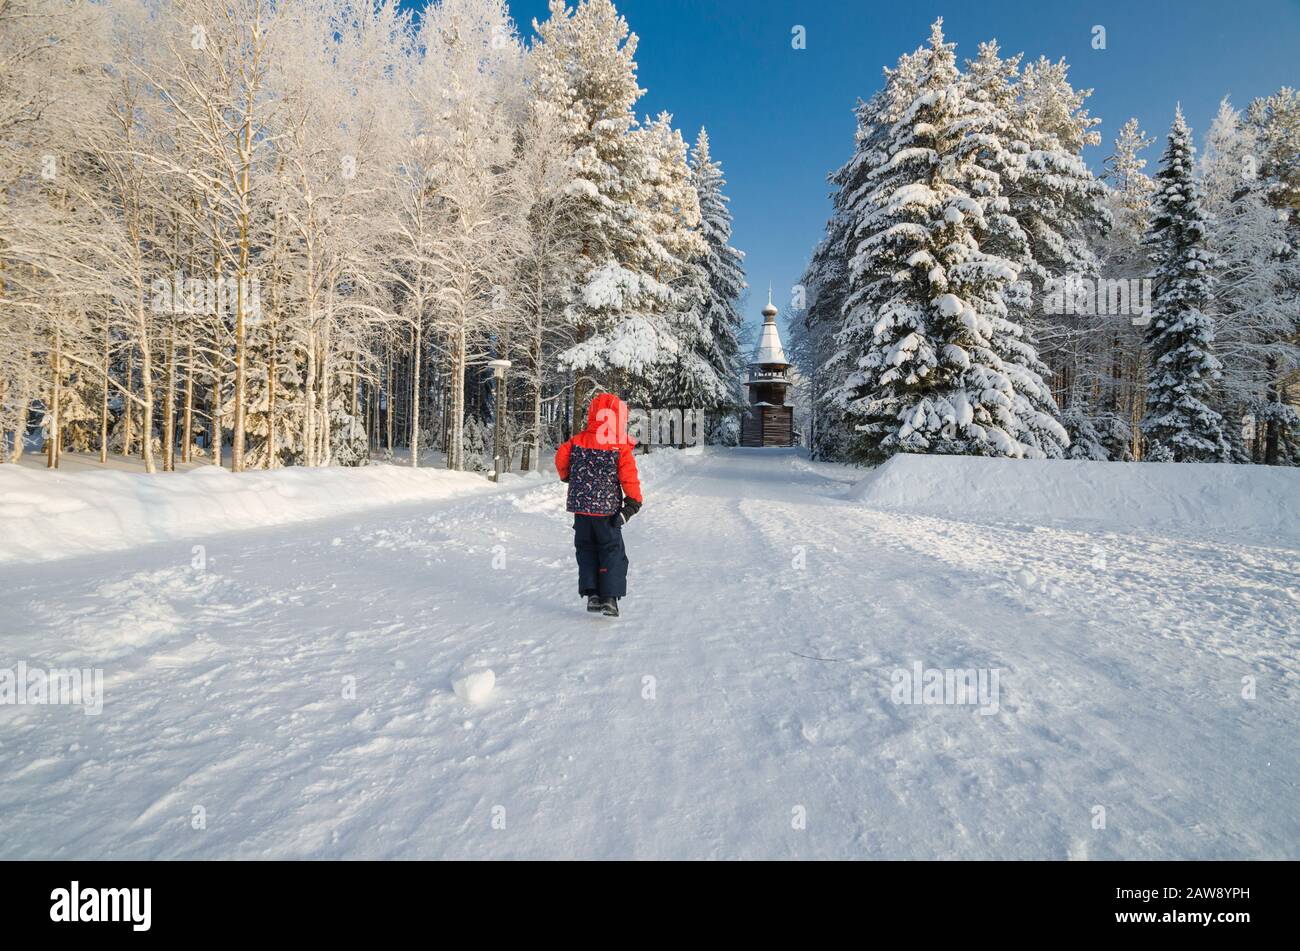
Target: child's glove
x,y
630,508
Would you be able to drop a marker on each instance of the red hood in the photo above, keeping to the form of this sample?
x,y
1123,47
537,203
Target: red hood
x,y
607,421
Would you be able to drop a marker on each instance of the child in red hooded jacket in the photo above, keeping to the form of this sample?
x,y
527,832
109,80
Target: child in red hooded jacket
x,y
604,492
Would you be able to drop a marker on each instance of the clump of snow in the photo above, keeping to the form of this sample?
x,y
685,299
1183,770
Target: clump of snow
x,y
475,687
950,305
1243,502
47,515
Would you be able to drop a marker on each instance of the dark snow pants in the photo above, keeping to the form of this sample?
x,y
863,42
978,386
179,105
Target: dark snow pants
x,y
602,562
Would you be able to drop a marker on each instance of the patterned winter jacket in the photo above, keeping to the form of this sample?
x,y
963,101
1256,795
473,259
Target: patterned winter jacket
x,y
598,463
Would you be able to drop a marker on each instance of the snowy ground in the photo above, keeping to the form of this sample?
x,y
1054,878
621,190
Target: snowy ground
x,y
747,686
34,459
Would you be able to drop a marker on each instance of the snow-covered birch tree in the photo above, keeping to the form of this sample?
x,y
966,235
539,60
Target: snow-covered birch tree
x,y
1256,319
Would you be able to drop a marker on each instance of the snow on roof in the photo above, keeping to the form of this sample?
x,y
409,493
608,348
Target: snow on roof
x,y
769,349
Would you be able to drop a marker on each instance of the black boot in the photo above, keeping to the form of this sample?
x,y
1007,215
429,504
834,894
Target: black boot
x,y
609,607
594,604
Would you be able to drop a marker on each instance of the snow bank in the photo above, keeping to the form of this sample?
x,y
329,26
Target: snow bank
x,y
662,461
1256,503
47,515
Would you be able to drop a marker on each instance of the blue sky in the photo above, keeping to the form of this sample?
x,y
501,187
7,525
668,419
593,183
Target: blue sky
x,y
780,119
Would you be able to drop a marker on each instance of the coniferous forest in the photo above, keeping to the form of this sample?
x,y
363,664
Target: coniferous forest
x,y
980,290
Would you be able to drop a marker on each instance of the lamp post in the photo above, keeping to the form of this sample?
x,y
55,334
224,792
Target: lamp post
x,y
499,368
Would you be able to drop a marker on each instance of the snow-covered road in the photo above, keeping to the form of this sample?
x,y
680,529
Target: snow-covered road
x,y
292,696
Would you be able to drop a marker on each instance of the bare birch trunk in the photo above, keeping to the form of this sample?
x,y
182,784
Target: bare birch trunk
x,y
534,449
356,389
169,411
216,408
103,396
146,385
237,431
187,428
128,407
456,425
241,326
389,390
326,455
372,417
415,396
309,403
24,407
272,457
53,436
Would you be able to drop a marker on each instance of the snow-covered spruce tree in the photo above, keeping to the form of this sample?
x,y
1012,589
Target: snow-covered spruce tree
x,y
1052,195
1057,199
349,444
816,319
723,265
476,444
941,367
1180,424
1086,441
76,422
1054,205
617,306
272,441
812,346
